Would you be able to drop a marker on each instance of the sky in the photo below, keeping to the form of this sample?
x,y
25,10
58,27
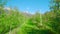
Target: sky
x,y
30,5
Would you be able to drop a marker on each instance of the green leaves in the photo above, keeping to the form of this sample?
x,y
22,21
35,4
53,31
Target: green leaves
x,y
22,23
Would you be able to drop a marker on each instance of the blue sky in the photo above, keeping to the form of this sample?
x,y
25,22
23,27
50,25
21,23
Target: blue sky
x,y
30,5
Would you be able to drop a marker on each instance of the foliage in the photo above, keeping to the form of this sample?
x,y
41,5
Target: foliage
x,y
14,21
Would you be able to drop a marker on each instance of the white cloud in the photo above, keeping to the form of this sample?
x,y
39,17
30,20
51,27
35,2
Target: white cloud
x,y
26,11
7,8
